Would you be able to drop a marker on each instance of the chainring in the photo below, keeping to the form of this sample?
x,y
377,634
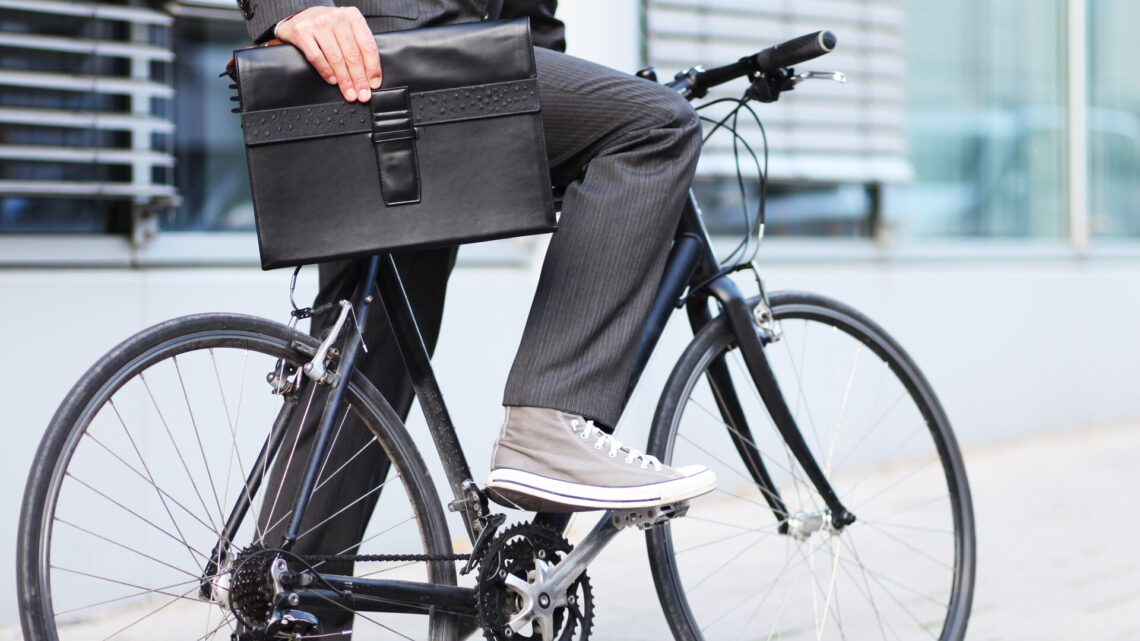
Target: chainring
x,y
517,550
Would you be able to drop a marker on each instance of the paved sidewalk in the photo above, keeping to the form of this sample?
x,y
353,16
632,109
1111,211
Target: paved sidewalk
x,y
1057,525
1057,559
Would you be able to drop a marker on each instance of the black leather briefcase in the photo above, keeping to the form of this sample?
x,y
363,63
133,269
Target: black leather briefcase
x,y
449,151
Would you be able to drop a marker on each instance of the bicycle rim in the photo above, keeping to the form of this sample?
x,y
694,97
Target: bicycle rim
x,y
903,570
144,460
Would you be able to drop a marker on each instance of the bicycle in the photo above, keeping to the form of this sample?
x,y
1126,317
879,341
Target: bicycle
x,y
140,508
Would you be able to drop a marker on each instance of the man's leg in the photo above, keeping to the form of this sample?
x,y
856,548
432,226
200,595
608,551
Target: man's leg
x,y
358,462
627,149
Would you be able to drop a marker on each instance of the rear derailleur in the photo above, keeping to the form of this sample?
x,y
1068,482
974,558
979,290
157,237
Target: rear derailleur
x,y
259,601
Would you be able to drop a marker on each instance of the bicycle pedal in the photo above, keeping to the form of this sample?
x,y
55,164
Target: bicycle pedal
x,y
649,517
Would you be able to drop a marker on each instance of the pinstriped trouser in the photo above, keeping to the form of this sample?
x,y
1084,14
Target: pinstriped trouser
x,y
626,149
638,143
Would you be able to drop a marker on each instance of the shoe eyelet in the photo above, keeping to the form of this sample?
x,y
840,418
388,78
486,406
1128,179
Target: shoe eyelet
x,y
598,446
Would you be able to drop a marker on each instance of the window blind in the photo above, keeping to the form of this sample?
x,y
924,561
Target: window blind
x,y
86,107
822,131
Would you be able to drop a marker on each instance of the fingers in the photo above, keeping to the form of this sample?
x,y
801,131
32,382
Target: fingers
x,y
367,44
331,49
339,45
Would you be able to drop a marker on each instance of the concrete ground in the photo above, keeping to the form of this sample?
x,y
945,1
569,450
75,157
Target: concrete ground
x,y
1057,552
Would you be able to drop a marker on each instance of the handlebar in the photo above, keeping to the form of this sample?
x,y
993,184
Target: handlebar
x,y
696,82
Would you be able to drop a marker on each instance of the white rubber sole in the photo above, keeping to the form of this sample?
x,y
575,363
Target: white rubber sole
x,y
516,488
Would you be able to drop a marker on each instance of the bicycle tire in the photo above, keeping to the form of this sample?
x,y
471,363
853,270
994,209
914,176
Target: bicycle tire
x,y
904,569
117,489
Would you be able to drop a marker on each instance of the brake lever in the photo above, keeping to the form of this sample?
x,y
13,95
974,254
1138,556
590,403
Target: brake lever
x,y
837,76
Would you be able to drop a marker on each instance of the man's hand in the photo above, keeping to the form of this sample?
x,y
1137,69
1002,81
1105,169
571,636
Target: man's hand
x,y
338,43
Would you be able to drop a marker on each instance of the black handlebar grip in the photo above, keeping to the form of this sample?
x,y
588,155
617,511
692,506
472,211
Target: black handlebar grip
x,y
794,51
720,75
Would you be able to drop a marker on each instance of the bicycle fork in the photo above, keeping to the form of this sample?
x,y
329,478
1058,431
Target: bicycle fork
x,y
741,320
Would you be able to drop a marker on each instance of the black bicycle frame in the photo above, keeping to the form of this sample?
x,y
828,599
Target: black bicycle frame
x,y
691,265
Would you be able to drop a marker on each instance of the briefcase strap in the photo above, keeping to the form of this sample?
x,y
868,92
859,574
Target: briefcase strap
x,y
394,140
267,126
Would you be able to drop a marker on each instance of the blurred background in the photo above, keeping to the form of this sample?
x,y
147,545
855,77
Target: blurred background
x,y
974,187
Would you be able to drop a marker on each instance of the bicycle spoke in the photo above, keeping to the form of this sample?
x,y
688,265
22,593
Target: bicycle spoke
x,y
792,467
288,463
727,538
180,541
128,548
369,539
874,426
790,564
161,492
366,618
864,410
198,438
341,510
343,465
724,565
751,483
899,481
938,499
180,409
798,370
820,613
866,582
700,519
716,416
912,547
842,411
919,528
880,576
147,590
143,591
226,620
152,613
855,581
393,568
149,476
289,513
177,450
235,452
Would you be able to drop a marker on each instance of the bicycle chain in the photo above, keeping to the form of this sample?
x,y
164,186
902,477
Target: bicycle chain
x,y
321,558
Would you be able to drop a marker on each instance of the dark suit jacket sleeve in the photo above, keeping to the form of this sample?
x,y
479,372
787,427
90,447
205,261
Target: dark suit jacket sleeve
x,y
262,15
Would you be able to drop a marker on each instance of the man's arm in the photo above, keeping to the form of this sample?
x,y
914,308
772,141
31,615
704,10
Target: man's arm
x,y
261,16
335,40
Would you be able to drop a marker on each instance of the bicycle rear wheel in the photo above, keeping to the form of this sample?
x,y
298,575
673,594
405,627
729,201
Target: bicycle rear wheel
x,y
735,568
142,464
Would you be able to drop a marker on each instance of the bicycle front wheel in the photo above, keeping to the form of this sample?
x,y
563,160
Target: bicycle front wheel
x,y
124,515
738,568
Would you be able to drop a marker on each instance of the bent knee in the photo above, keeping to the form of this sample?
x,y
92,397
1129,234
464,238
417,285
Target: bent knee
x,y
677,113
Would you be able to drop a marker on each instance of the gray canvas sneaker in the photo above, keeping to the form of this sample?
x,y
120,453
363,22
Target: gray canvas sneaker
x,y
550,461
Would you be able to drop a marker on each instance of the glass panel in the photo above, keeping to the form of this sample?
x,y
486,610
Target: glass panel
x,y
986,120
791,210
210,173
1114,120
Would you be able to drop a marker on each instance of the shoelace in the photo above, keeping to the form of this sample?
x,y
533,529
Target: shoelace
x,y
588,430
